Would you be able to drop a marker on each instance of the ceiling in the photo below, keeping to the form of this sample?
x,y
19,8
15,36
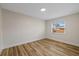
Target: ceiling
x,y
53,10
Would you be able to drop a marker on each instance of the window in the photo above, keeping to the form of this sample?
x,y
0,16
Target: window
x,y
58,27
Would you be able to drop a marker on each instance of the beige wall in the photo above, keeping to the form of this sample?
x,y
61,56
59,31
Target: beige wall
x,y
19,29
1,42
71,35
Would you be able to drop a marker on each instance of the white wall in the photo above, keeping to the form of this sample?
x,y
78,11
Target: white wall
x,y
71,35
19,29
1,42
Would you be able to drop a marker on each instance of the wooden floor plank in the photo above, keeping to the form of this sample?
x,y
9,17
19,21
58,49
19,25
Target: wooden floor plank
x,y
45,47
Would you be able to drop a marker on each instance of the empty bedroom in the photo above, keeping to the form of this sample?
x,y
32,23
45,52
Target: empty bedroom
x,y
39,29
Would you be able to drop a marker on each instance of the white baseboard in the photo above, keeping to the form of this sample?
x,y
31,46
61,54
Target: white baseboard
x,y
9,46
65,42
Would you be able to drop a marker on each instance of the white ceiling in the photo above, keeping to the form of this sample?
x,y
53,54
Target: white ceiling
x,y
53,10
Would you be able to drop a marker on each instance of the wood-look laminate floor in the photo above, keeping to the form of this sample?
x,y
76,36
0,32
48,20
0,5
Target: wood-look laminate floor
x,y
45,47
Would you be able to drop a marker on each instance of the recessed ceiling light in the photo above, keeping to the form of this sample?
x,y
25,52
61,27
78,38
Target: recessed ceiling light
x,y
43,9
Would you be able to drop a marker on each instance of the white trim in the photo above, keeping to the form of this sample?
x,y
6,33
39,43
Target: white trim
x,y
65,42
20,43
